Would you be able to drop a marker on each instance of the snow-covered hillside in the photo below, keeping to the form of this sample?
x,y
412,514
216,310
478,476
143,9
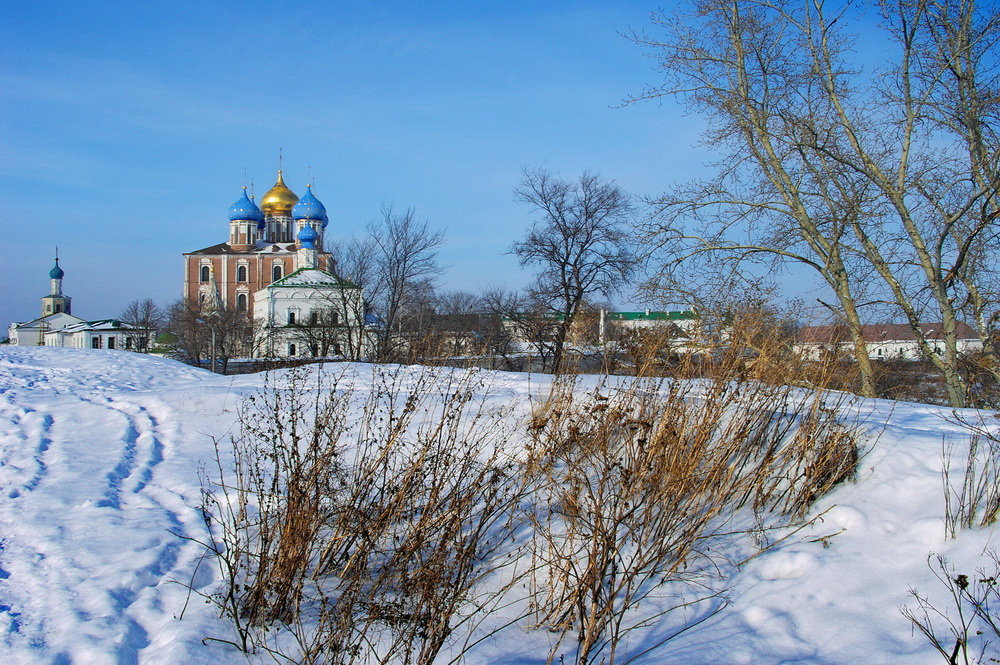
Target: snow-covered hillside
x,y
100,453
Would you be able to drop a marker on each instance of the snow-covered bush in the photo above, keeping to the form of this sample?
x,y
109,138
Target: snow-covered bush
x,y
634,483
390,528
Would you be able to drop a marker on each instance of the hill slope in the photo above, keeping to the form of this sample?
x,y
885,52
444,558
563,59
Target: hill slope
x,y
100,454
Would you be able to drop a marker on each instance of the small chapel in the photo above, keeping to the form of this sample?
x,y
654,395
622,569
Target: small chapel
x,y
274,267
57,326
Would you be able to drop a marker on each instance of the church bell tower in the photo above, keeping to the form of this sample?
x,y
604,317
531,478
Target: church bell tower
x,y
56,302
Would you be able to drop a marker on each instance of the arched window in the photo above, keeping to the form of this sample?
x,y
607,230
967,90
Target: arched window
x,y
241,273
241,302
204,273
276,273
291,349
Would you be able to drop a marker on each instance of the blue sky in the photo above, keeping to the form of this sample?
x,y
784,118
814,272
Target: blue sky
x,y
125,128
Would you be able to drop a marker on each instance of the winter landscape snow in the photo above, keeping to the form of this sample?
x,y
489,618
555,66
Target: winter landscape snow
x,y
103,456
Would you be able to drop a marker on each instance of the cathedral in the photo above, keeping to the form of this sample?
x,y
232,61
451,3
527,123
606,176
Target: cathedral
x,y
275,268
262,247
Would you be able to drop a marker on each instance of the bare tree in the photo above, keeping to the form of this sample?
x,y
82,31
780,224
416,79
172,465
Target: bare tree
x,y
212,334
770,201
499,306
394,265
356,262
193,339
144,318
406,259
885,186
580,243
455,303
324,332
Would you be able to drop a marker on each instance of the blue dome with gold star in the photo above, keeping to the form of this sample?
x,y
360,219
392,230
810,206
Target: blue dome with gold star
x,y
245,209
309,207
307,237
56,272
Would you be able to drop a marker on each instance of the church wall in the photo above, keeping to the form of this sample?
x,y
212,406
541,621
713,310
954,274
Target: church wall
x,y
259,272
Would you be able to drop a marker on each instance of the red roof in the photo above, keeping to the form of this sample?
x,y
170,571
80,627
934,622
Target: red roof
x,y
879,332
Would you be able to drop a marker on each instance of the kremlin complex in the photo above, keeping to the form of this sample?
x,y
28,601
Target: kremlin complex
x,y
272,269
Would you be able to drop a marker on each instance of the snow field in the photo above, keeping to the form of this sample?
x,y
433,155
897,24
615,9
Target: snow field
x,y
100,453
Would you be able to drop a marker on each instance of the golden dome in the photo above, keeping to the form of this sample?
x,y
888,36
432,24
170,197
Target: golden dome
x,y
279,199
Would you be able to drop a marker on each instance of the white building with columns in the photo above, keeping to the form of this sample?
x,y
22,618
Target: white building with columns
x,y
311,312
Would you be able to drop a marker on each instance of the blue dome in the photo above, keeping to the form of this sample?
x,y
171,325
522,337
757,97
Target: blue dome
x,y
307,237
56,272
245,209
309,207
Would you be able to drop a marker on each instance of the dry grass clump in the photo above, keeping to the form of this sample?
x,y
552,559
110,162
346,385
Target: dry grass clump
x,y
389,529
269,511
362,536
975,501
633,483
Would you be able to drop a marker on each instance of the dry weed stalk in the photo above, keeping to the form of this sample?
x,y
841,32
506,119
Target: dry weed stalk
x,y
976,501
364,534
970,614
633,482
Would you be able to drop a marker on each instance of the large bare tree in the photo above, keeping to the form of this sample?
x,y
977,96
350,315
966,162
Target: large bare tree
x,y
886,185
580,242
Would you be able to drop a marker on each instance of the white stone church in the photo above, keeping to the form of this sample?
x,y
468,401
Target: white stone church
x,y
58,327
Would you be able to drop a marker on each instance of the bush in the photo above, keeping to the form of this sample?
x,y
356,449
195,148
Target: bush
x,y
390,528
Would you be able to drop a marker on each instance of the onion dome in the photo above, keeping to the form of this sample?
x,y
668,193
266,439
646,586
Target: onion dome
x,y
307,237
279,199
309,207
245,209
56,272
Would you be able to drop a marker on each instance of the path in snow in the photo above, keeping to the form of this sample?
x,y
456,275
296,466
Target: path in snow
x,y
94,530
